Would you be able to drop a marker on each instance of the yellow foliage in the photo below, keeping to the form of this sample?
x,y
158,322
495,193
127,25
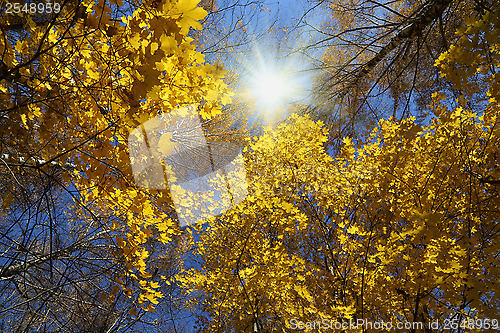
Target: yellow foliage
x,y
91,83
401,224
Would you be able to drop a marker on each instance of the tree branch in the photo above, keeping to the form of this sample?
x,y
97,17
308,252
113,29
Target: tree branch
x,y
15,269
417,23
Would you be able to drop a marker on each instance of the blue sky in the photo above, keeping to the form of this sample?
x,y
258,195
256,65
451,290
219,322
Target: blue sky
x,y
274,33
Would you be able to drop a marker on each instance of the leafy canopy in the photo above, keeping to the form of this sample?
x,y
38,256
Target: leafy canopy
x,y
76,83
402,225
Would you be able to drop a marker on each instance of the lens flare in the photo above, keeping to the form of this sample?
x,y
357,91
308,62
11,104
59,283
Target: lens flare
x,y
272,88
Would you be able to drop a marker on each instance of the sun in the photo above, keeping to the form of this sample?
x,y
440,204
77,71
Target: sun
x,y
271,88
271,81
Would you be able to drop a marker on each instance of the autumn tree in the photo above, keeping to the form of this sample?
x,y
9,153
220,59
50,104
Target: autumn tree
x,y
400,226
379,56
81,243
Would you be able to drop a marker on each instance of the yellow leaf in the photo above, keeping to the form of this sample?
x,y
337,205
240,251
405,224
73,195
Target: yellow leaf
x,y
154,47
20,45
24,120
191,15
168,43
152,298
3,88
353,230
212,95
135,41
93,74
